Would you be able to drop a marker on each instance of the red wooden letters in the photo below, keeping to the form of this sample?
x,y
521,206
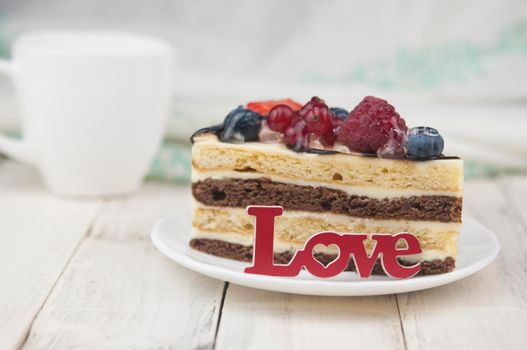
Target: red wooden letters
x,y
349,245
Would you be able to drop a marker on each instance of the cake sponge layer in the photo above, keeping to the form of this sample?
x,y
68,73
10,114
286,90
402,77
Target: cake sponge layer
x,y
208,154
294,228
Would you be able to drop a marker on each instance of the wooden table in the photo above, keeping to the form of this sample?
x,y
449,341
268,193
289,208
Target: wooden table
x,y
84,274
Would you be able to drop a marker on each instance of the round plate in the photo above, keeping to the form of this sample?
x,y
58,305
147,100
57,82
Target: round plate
x,y
478,247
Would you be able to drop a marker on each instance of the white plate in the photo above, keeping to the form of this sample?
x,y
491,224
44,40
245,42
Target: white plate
x,y
478,247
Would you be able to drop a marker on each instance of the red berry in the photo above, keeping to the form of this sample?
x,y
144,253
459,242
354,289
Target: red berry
x,y
371,125
280,118
328,139
318,121
317,116
295,136
263,107
315,101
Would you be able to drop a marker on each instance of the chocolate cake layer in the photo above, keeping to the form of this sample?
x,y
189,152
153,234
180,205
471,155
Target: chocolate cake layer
x,y
245,253
244,192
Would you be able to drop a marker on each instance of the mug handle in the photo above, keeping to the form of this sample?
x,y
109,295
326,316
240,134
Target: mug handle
x,y
16,149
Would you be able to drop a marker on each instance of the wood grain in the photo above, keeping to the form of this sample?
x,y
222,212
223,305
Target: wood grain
x,y
487,310
257,319
124,295
120,292
39,233
515,190
132,217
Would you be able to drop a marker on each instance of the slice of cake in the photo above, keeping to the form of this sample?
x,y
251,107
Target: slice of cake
x,y
357,172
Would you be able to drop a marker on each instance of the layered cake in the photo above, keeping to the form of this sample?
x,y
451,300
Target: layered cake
x,y
357,172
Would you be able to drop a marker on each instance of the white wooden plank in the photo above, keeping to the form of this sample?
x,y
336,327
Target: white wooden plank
x,y
257,319
487,310
124,295
38,234
132,217
119,292
515,191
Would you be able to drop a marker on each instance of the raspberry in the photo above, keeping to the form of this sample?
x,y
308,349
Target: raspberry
x,y
371,125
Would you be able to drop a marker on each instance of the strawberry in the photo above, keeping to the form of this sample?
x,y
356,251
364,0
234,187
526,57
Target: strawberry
x,y
263,107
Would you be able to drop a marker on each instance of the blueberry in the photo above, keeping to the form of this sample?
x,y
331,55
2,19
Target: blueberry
x,y
241,125
340,113
424,143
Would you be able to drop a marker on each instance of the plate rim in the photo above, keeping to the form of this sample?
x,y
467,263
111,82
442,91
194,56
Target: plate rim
x,y
323,287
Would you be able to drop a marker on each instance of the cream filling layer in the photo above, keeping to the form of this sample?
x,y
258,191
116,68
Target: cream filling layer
x,y
293,228
239,215
370,192
284,246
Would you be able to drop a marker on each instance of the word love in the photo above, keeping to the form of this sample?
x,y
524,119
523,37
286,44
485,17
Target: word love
x,y
348,244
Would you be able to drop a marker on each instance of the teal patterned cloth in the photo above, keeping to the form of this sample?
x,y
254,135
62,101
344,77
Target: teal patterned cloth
x,y
429,67
172,163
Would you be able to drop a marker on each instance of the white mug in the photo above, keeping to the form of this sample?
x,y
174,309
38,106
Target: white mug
x,y
94,106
